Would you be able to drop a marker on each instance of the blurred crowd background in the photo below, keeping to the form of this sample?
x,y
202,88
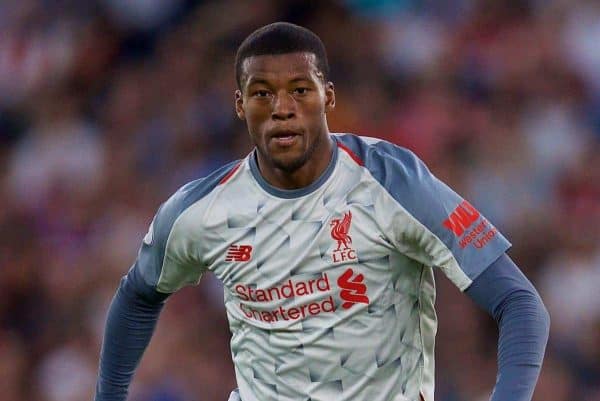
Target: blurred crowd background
x,y
108,106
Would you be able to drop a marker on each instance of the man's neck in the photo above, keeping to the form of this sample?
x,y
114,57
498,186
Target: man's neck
x,y
303,176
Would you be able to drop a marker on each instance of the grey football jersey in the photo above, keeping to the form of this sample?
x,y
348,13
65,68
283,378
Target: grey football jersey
x,y
329,289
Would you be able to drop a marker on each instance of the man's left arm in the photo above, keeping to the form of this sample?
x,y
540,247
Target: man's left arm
x,y
437,227
523,322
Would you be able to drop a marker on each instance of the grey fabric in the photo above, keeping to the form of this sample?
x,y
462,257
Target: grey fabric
x,y
129,327
523,322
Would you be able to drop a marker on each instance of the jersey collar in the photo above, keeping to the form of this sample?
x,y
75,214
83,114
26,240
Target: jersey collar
x,y
293,193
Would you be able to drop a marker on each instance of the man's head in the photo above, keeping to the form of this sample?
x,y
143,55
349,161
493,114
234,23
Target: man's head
x,y
280,38
281,71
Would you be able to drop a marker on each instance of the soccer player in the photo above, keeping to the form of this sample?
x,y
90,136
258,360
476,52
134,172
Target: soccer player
x,y
326,245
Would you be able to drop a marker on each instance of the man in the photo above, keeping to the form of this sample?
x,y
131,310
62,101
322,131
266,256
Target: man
x,y
326,246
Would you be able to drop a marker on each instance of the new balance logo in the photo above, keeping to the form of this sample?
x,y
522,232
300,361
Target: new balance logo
x,y
461,218
353,289
239,253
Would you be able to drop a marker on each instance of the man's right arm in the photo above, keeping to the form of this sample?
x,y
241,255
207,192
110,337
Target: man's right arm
x,y
167,261
132,317
163,265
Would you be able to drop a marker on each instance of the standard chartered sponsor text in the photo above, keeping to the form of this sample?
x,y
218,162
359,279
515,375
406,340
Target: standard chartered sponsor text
x,y
288,290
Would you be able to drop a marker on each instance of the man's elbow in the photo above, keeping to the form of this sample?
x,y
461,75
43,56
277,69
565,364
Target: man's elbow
x,y
544,315
540,311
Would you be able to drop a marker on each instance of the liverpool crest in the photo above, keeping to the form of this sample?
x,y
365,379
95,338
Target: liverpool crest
x,y
340,229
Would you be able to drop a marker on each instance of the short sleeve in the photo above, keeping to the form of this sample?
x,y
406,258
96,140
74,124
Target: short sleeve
x,y
169,257
164,260
426,219
449,232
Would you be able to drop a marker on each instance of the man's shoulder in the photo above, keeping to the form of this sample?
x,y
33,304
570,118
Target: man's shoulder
x,y
198,188
380,156
195,190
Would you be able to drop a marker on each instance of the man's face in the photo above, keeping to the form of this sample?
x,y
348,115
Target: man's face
x,y
283,100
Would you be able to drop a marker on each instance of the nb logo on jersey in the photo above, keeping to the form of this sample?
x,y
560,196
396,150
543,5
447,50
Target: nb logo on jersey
x,y
339,232
461,218
239,253
353,289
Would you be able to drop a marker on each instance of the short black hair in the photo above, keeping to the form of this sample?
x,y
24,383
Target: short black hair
x,y
281,38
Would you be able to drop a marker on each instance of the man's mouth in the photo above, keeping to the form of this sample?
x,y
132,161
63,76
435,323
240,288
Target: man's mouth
x,y
285,138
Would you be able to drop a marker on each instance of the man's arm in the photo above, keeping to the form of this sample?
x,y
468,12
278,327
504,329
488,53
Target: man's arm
x,y
523,322
167,261
437,227
131,321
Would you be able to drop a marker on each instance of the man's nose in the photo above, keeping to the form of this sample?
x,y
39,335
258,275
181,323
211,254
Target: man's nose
x,y
284,106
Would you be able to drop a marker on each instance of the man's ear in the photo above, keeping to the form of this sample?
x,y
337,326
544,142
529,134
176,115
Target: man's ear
x,y
329,97
239,105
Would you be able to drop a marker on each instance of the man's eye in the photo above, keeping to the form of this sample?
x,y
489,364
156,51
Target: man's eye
x,y
261,93
301,91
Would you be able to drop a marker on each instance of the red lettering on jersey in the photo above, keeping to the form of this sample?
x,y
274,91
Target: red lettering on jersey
x,y
261,310
353,289
239,253
461,218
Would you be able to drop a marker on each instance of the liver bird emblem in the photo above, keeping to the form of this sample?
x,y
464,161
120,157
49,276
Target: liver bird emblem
x,y
340,229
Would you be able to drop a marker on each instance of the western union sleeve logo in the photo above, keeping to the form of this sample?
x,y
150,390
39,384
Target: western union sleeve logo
x,y
462,224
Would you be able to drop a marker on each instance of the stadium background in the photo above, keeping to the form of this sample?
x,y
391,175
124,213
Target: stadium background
x,y
108,106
